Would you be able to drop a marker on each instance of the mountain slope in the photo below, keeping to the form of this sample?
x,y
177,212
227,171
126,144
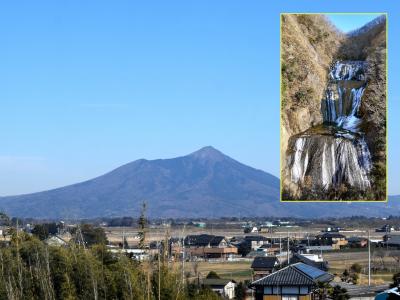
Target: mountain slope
x,y
205,183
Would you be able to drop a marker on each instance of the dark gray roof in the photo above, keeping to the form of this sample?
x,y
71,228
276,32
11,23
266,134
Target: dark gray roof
x,y
217,281
255,238
264,262
203,240
393,239
297,274
305,260
356,239
331,235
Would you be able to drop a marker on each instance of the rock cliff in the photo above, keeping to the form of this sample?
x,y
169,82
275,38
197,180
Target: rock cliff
x,y
310,48
309,44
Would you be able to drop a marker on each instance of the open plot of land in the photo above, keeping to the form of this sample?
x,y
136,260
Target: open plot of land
x,y
239,271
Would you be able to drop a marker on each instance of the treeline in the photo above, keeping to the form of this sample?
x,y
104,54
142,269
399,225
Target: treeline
x,y
30,269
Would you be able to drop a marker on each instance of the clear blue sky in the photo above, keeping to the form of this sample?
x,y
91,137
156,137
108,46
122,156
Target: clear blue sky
x,y
89,85
349,22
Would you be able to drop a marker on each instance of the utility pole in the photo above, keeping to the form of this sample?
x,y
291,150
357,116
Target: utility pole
x,y
369,259
159,271
288,245
183,255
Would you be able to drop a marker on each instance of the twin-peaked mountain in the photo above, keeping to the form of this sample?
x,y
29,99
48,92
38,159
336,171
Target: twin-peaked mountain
x,y
206,183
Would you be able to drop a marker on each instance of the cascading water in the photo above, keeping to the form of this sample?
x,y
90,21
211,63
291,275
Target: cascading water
x,y
335,152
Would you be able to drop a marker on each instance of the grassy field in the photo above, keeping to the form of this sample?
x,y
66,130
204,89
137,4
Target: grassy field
x,y
339,261
239,271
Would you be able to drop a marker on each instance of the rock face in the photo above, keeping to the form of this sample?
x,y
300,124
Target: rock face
x,y
335,157
325,157
308,46
369,44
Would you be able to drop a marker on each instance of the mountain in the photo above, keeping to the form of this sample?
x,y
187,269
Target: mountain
x,y
205,183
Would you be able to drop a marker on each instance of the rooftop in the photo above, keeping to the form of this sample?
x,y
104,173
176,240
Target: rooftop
x,y
264,262
296,274
203,240
217,281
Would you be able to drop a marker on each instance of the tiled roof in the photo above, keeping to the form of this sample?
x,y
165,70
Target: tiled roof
x,y
203,240
297,274
356,239
393,239
266,262
305,260
216,281
256,238
331,235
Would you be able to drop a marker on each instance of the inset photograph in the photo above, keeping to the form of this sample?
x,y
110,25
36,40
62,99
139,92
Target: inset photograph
x,y
333,107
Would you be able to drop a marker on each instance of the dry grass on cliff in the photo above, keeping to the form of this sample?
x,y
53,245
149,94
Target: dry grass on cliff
x,y
308,45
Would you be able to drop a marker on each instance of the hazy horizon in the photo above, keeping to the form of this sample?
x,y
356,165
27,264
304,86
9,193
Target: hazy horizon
x,y
90,86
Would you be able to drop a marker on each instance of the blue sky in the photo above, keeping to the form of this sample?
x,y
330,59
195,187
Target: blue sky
x,y
349,22
88,86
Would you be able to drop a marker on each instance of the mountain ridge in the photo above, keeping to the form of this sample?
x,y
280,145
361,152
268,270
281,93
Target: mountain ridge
x,y
204,183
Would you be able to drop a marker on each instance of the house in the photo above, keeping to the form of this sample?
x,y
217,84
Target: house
x,y
271,249
357,242
311,260
224,287
209,246
297,281
385,228
264,265
332,229
197,224
336,240
314,249
391,240
55,240
256,241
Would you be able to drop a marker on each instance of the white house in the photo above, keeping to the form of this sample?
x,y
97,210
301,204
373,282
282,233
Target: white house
x,y
224,287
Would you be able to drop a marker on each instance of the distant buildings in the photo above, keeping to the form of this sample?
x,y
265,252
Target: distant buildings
x,y
209,246
391,240
357,242
385,228
336,240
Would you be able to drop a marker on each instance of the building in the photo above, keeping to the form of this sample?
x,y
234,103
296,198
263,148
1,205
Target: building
x,y
271,249
297,281
55,240
336,240
385,228
314,249
256,241
391,240
357,242
209,246
264,265
224,287
310,259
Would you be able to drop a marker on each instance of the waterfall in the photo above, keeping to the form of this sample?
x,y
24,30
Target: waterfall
x,y
334,153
